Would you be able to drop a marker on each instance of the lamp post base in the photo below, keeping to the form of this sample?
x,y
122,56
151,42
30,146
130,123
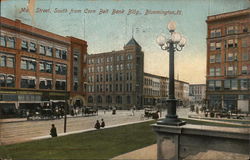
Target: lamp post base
x,y
172,121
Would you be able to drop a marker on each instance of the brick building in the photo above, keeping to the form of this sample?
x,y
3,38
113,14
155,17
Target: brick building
x,y
197,92
228,60
116,78
36,67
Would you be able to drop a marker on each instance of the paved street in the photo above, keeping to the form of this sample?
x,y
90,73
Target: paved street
x,y
21,131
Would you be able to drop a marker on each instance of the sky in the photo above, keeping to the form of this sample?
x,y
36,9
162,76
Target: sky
x,y
108,25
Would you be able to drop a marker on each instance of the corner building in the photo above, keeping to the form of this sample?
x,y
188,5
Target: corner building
x,y
39,67
116,78
228,61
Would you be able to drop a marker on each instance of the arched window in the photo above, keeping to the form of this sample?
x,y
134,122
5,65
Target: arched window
x,y
99,99
90,99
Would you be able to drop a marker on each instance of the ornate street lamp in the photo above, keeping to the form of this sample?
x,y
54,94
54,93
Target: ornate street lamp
x,y
175,43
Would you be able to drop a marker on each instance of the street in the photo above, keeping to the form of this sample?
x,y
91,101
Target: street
x,y
22,131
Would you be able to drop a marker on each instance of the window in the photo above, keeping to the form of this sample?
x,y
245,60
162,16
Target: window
x,y
231,56
245,56
120,77
231,70
107,60
244,70
24,45
218,45
2,41
61,69
120,87
45,83
211,72
117,58
28,64
75,86
11,42
45,66
211,85
28,82
62,54
217,85
49,51
227,84
231,43
75,71
121,66
215,33
2,80
232,29
90,99
60,85
244,43
32,47
212,58
244,84
245,28
10,81
42,49
212,46
117,67
218,58
130,56
234,84
218,71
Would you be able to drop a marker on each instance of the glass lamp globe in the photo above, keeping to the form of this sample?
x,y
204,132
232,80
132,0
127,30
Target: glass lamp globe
x,y
161,40
182,42
176,37
171,26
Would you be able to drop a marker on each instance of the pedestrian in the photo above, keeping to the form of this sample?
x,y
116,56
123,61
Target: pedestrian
x,y
97,125
102,124
53,131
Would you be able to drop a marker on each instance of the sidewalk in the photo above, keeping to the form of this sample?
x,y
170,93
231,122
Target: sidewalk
x,y
147,153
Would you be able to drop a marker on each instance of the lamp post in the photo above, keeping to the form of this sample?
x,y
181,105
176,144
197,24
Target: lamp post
x,y
175,43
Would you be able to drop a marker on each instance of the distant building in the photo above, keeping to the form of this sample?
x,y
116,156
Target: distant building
x,y
38,67
228,60
156,89
116,78
197,92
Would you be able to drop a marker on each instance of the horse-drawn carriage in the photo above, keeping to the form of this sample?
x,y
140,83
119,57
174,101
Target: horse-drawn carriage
x,y
150,112
89,111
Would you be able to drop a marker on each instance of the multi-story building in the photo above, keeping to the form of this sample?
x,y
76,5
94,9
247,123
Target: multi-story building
x,y
116,78
197,92
36,67
156,89
228,60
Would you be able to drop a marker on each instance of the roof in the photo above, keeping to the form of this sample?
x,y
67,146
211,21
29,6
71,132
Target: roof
x,y
132,42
